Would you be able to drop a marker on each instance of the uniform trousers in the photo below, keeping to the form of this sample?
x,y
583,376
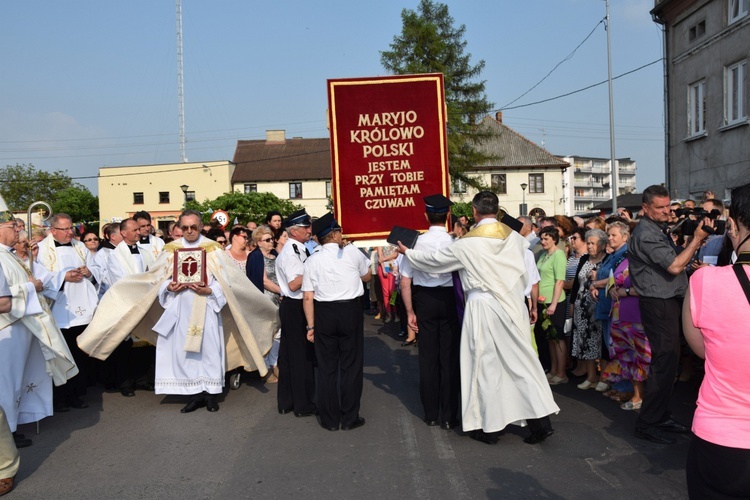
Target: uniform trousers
x,y
339,349
9,457
296,388
661,324
715,471
76,386
439,352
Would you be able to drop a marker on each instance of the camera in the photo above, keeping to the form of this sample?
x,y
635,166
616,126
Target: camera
x,y
690,223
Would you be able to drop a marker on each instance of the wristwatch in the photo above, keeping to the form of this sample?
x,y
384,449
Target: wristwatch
x,y
310,327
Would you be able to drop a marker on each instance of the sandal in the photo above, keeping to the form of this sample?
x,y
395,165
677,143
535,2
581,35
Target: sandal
x,y
610,393
630,405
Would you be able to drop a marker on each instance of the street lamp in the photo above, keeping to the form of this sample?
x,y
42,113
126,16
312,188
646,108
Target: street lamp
x,y
522,208
185,188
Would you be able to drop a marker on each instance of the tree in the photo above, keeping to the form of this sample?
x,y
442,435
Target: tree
x,y
22,185
80,204
430,44
244,206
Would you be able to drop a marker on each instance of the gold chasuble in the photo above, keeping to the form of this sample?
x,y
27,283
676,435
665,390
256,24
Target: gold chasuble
x,y
130,306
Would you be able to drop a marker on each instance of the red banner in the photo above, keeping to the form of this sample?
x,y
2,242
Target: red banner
x,y
388,150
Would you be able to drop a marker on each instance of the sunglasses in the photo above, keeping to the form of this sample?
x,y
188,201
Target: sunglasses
x,y
266,240
190,228
222,242
91,239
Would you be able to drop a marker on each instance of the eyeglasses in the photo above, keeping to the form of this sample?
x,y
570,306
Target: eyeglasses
x,y
266,240
190,228
574,238
63,229
91,239
241,236
221,242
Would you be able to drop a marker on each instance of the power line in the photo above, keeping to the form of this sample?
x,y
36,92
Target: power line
x,y
582,89
567,58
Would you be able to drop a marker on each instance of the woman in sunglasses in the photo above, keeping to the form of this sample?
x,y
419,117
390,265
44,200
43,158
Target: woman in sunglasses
x,y
91,240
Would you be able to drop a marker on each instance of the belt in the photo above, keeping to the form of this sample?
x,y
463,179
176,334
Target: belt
x,y
345,301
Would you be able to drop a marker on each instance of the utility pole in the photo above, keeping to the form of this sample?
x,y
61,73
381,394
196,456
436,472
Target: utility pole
x,y
612,162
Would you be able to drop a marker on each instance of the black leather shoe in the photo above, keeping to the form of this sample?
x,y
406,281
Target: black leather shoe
x,y
128,393
331,428
78,404
193,405
408,343
448,425
537,437
211,404
671,425
654,435
357,423
20,441
310,413
431,423
484,437
60,407
284,412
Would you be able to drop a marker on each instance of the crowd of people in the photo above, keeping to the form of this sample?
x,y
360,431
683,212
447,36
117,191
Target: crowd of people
x,y
501,310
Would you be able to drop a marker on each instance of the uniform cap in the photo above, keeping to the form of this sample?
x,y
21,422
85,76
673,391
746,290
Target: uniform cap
x,y
325,225
437,204
298,218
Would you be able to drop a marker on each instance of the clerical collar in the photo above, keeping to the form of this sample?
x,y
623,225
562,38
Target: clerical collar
x,y
133,249
106,244
58,244
144,240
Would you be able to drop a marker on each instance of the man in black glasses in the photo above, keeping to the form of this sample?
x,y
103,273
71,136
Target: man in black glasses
x,y
75,297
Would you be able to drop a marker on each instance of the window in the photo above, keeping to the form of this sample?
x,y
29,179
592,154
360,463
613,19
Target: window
x,y
734,93
163,196
459,186
251,188
697,31
295,190
536,183
499,186
696,115
137,198
328,189
190,196
737,9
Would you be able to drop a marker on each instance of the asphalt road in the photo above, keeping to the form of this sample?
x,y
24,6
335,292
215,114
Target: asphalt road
x,y
143,447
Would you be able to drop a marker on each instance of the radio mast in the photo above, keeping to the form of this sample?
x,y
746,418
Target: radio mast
x,y
180,84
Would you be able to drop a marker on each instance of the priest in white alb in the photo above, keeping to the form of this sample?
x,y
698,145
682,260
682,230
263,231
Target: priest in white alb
x,y
200,331
502,381
75,299
33,352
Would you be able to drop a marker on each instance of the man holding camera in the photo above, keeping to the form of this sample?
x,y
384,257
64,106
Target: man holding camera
x,y
659,278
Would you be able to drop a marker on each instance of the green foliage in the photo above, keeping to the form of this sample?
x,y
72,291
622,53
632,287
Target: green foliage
x,y
22,185
80,204
245,206
429,43
462,208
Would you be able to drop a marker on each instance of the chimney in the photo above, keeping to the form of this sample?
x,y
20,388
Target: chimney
x,y
275,136
499,116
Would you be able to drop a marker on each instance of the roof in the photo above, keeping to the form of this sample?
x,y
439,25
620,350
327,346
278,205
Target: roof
x,y
513,150
282,160
632,200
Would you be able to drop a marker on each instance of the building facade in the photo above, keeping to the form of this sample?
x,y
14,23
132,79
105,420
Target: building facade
x,y
523,173
158,189
707,46
296,169
590,180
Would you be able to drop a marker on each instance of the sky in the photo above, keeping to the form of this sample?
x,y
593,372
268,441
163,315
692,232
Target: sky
x,y
88,84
